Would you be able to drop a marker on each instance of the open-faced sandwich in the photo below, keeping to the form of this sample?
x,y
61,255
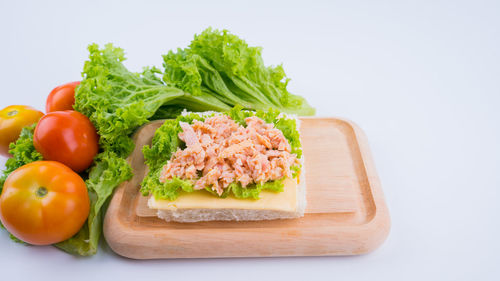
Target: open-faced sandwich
x,y
237,165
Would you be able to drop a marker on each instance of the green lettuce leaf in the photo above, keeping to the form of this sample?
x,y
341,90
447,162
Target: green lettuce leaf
x,y
223,65
23,152
166,141
108,171
118,101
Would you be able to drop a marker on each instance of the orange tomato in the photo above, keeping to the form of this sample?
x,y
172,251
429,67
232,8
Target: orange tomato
x,y
12,119
68,137
44,202
62,97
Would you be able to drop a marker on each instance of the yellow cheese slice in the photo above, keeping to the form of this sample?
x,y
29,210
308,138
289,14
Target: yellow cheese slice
x,y
278,201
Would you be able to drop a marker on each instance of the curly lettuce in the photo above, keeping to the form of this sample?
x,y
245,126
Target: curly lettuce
x,y
23,152
223,65
166,141
117,101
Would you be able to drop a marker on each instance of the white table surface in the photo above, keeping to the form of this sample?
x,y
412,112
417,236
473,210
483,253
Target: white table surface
x,y
421,78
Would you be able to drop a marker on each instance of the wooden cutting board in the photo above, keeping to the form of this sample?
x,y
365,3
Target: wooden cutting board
x,y
346,213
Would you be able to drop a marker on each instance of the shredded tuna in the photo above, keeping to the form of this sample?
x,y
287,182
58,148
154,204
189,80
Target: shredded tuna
x,y
219,152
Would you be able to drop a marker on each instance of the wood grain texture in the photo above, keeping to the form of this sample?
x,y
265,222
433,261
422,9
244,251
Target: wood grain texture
x,y
346,213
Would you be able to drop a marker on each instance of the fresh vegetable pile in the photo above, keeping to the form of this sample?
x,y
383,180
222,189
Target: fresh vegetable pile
x,y
216,72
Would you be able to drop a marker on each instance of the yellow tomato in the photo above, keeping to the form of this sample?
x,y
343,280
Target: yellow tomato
x,y
12,119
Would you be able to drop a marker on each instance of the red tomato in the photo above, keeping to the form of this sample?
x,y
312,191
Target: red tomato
x,y
68,137
62,97
44,202
12,119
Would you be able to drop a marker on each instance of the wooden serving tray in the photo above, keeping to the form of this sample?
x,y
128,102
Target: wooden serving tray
x,y
345,215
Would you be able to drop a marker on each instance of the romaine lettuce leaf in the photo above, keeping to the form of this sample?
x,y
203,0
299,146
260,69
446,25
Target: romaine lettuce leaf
x,y
223,65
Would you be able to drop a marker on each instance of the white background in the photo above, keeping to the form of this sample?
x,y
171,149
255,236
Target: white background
x,y
422,78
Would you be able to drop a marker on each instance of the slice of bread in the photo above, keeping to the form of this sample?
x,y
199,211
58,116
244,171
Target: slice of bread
x,y
236,214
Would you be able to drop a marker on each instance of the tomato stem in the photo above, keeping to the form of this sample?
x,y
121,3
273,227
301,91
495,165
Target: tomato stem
x,y
41,191
12,113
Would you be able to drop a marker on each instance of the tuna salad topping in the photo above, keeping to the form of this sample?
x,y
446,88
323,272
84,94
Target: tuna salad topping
x,y
219,152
